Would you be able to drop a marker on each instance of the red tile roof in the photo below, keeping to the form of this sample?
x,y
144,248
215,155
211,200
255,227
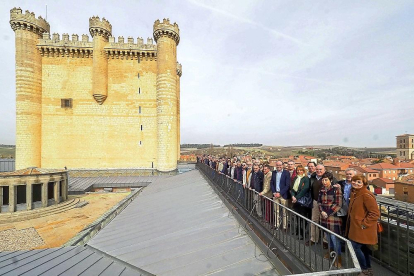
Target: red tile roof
x,y
407,179
364,169
384,166
347,157
383,182
405,165
386,180
336,164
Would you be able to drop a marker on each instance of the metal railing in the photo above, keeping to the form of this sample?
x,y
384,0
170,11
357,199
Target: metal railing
x,y
396,242
288,228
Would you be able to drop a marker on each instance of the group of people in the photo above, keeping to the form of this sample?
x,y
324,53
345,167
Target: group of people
x,y
346,207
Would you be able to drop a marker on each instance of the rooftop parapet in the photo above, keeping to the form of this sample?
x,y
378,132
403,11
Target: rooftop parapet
x,y
179,69
65,47
100,27
28,21
122,49
165,28
130,44
55,41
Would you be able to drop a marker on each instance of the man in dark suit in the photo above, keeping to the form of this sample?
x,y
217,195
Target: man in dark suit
x,y
256,183
280,184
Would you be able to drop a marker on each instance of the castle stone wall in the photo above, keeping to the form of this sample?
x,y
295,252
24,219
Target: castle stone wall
x,y
89,135
123,99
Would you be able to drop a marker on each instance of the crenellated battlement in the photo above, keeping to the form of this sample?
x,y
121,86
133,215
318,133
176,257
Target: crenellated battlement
x,y
66,40
130,50
28,21
130,43
165,28
65,46
100,27
127,86
179,69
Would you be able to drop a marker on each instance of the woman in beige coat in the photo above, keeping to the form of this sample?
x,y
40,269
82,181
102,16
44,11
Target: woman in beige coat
x,y
267,192
361,229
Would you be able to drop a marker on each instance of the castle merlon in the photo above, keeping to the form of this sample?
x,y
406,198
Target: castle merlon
x,y
165,28
130,44
131,50
100,27
179,69
65,47
28,21
55,41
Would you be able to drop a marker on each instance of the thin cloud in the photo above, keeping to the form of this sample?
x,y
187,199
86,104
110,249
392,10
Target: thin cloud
x,y
266,72
248,21
295,77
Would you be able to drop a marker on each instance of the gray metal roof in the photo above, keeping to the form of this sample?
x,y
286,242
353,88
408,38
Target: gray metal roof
x,y
63,261
80,184
179,226
395,203
84,184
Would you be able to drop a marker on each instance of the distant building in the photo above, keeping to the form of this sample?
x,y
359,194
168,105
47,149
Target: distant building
x,y
337,168
386,185
369,173
406,167
389,171
405,146
404,189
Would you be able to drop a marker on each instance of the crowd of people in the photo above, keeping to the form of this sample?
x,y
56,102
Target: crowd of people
x,y
346,207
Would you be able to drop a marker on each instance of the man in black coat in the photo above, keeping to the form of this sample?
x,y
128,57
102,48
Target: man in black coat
x,y
256,183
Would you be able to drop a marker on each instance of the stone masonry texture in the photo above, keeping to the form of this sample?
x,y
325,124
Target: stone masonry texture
x,y
96,102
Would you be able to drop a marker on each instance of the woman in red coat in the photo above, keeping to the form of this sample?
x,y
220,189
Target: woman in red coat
x,y
361,229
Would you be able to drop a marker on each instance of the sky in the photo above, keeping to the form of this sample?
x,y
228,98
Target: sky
x,y
272,72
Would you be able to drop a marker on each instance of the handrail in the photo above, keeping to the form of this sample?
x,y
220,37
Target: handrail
x,y
269,213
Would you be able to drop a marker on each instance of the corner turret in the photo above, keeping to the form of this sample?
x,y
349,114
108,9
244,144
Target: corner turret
x,y
166,29
98,27
28,21
167,37
28,30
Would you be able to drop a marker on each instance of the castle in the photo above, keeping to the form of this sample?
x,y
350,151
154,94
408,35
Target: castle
x,y
99,103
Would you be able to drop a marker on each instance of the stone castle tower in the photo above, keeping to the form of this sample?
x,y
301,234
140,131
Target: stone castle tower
x,y
103,103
